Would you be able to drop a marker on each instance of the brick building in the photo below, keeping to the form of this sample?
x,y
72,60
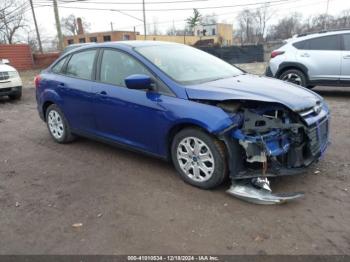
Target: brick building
x,y
99,37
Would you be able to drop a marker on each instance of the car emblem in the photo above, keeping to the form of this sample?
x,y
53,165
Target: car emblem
x,y
317,109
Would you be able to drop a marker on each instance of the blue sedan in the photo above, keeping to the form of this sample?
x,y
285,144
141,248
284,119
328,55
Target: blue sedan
x,y
211,119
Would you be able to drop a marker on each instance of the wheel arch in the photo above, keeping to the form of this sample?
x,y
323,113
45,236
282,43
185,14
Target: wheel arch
x,y
47,98
292,65
46,106
176,128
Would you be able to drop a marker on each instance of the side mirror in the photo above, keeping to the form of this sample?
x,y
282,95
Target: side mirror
x,y
138,82
5,61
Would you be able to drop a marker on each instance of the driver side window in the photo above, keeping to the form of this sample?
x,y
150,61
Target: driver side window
x,y
116,66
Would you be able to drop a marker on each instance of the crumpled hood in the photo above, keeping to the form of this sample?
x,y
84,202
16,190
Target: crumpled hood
x,y
255,88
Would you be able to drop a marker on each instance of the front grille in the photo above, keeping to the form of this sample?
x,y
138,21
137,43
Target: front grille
x,y
4,75
318,136
4,90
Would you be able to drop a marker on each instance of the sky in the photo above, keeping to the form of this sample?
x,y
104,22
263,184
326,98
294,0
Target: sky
x,y
169,12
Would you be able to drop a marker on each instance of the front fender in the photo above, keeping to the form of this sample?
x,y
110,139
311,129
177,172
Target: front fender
x,y
209,117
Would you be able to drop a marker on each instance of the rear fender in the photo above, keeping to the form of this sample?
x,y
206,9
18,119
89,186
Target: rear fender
x,y
50,95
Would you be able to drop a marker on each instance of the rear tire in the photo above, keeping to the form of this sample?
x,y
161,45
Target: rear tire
x,y
199,158
58,125
294,76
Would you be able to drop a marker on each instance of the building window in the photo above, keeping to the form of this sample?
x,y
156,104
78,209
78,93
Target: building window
x,y
70,41
126,37
93,39
81,40
213,31
106,38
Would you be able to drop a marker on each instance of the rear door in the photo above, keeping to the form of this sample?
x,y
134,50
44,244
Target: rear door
x,y
345,64
321,56
74,86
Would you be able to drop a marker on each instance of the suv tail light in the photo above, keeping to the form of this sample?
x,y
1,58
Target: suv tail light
x,y
37,80
276,53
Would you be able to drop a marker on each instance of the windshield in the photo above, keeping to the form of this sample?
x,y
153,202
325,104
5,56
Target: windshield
x,y
188,65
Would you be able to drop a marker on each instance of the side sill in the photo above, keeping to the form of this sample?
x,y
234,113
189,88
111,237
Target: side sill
x,y
118,144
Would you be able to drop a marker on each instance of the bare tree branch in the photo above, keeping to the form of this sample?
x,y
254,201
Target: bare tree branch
x,y
11,19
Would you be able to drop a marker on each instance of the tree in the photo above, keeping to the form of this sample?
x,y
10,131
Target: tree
x,y
286,27
154,30
194,20
262,16
70,26
11,19
344,19
209,19
171,30
322,22
246,26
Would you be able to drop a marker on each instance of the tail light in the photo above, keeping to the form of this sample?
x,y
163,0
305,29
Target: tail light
x,y
276,53
37,80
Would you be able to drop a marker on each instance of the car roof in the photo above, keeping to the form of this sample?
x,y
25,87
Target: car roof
x,y
302,37
130,44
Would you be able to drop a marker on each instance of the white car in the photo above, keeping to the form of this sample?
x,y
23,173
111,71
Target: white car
x,y
313,59
10,81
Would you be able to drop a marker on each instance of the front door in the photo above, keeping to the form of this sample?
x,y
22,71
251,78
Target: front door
x,y
124,115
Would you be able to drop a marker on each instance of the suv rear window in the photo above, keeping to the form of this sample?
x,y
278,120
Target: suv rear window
x,y
300,45
330,42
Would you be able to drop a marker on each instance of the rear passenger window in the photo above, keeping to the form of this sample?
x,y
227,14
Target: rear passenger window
x,y
300,45
57,68
346,39
116,66
324,43
81,64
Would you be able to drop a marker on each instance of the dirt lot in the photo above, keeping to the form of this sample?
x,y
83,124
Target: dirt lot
x,y
129,203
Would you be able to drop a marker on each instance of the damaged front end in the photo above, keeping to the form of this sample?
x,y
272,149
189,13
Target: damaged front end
x,y
269,140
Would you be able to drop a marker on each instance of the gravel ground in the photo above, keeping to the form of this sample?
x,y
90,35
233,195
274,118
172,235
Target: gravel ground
x,y
128,203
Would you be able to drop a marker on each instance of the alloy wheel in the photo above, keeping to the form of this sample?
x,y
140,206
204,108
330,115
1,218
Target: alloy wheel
x,y
293,78
195,159
55,123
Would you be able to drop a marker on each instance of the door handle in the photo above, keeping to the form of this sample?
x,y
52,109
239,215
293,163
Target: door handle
x,y
104,93
305,55
346,57
60,85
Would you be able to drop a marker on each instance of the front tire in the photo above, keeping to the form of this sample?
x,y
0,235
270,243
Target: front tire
x,y
58,125
199,158
294,76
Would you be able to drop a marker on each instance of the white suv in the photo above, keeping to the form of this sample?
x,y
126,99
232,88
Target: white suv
x,y
314,59
10,81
